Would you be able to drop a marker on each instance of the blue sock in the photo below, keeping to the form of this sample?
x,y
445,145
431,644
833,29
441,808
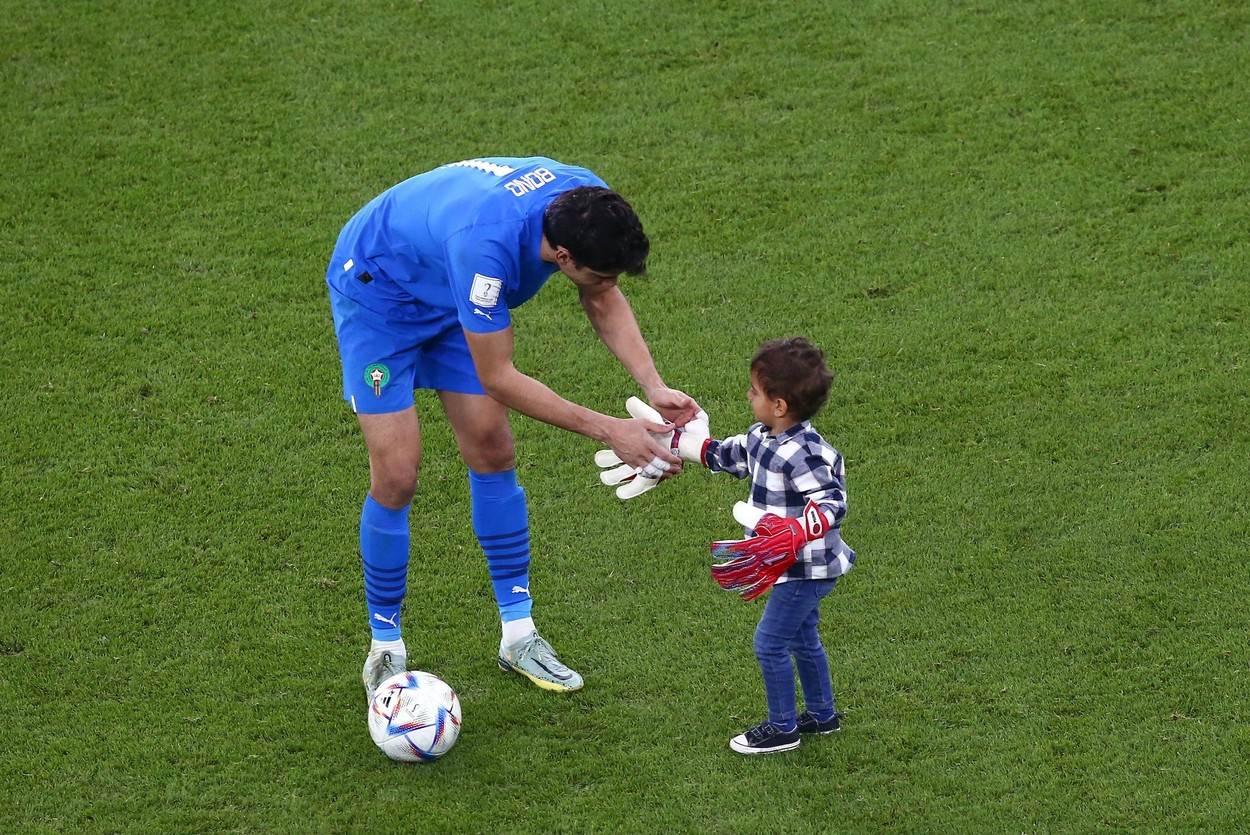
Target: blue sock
x,y
501,522
384,552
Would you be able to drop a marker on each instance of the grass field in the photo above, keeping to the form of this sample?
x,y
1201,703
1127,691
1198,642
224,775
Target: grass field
x,y
1018,229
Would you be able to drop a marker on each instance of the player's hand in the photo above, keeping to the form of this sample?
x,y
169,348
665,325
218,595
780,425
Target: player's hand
x,y
674,405
751,566
652,449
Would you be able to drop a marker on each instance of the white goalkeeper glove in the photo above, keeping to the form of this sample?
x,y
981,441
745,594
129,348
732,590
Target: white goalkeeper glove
x,y
690,441
634,481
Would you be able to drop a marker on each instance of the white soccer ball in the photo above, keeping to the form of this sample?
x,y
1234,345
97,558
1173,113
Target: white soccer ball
x,y
414,717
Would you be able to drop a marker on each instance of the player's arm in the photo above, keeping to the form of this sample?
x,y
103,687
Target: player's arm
x,y
613,319
492,356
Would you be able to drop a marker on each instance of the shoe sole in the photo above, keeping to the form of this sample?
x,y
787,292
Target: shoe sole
x,y
776,749
543,683
821,733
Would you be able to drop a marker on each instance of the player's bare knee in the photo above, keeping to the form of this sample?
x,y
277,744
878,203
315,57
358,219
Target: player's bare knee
x,y
393,483
490,452
497,461
392,494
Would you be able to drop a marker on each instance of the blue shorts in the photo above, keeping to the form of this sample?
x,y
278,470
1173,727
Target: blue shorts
x,y
385,359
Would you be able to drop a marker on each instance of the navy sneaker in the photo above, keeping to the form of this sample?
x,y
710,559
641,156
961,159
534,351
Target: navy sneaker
x,y
808,724
764,739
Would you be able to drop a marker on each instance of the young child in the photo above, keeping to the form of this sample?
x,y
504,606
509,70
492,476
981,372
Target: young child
x,y
798,481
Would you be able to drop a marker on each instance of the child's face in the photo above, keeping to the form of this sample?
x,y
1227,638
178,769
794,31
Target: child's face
x,y
762,406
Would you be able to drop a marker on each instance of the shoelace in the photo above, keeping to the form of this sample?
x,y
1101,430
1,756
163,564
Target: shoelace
x,y
542,652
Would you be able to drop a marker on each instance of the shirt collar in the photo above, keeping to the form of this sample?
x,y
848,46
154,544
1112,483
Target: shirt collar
x,y
531,248
798,429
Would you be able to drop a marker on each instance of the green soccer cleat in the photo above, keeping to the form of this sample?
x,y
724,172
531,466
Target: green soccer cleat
x,y
379,666
534,658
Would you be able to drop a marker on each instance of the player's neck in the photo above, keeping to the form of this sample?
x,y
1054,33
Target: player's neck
x,y
546,252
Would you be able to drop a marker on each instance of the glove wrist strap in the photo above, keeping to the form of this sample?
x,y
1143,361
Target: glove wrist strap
x,y
692,447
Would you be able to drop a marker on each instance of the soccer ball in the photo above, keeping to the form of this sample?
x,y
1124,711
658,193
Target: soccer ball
x,y
414,717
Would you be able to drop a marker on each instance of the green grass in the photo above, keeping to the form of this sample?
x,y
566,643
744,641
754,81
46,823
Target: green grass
x,y
1018,229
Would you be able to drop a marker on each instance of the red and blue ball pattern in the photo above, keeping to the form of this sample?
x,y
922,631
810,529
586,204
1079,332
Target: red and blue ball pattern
x,y
414,717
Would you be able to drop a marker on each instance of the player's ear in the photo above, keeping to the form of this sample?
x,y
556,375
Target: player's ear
x,y
780,407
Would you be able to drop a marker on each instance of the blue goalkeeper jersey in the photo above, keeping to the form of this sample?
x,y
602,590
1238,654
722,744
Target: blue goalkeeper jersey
x,y
459,243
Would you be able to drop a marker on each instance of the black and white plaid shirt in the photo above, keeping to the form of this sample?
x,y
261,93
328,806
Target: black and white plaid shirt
x,y
786,472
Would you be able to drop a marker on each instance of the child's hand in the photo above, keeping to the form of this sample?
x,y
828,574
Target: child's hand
x,y
751,566
690,441
792,532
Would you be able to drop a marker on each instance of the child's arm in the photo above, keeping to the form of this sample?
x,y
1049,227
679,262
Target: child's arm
x,y
693,443
727,456
822,481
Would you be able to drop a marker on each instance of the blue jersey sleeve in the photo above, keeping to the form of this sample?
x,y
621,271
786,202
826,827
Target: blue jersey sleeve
x,y
481,270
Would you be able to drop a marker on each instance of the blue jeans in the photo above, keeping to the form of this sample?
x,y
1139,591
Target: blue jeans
x,y
787,628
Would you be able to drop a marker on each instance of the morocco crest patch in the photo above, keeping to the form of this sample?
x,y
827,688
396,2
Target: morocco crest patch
x,y
377,375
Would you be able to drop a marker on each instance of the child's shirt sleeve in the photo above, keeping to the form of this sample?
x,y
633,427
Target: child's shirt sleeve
x,y
820,476
728,456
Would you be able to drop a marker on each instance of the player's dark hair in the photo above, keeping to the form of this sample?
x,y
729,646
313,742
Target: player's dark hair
x,y
599,229
794,370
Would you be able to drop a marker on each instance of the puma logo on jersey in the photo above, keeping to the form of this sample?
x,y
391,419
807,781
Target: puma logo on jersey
x,y
483,314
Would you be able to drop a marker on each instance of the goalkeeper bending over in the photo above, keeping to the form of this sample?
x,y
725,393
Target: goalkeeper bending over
x,y
799,484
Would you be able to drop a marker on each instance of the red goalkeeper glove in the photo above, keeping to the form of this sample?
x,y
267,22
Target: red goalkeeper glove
x,y
751,566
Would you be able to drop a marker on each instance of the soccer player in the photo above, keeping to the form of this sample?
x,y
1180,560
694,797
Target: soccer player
x,y
422,282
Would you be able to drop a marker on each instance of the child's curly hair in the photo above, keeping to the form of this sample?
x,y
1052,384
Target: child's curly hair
x,y
793,369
